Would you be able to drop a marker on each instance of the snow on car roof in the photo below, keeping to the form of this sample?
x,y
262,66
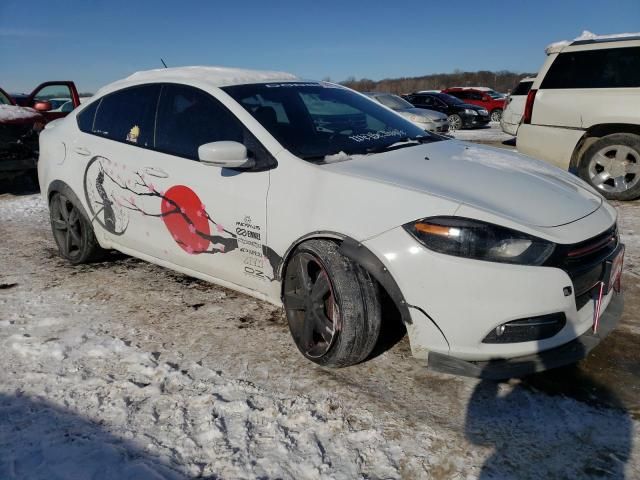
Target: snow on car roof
x,y
586,36
481,89
218,76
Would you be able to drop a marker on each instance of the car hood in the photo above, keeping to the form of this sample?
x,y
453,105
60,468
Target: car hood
x,y
421,112
513,186
469,106
15,115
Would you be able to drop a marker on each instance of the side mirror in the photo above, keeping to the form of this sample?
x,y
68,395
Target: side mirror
x,y
225,154
42,105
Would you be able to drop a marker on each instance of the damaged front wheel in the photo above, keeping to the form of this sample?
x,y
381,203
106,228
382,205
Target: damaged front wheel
x,y
332,305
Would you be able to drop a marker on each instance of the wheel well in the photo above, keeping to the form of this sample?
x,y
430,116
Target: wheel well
x,y
594,133
360,254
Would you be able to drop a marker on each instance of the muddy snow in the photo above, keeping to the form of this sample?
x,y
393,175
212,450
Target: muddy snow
x,y
122,369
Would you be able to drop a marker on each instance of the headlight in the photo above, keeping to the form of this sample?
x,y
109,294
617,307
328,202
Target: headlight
x,y
484,112
419,119
464,237
470,112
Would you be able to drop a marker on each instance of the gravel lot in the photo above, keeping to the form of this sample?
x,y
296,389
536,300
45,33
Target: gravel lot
x,y
122,369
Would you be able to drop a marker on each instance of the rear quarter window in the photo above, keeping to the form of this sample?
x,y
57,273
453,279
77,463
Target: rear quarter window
x,y
604,68
86,117
522,88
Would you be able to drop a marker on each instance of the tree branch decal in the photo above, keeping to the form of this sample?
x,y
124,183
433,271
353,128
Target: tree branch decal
x,y
199,223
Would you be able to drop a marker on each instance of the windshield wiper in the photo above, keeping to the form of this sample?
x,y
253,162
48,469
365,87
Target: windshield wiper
x,y
401,143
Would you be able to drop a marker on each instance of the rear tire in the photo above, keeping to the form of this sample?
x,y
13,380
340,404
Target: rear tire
x,y
496,115
72,231
612,166
332,305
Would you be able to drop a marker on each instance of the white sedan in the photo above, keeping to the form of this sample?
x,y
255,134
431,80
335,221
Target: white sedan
x,y
312,196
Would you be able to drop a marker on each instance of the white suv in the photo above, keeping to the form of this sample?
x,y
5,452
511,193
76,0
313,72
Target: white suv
x,y
583,112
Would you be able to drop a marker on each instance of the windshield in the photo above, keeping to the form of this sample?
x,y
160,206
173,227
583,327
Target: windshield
x,y
495,95
393,102
449,99
4,100
314,120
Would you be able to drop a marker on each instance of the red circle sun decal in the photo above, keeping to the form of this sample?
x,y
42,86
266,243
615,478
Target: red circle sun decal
x,y
185,217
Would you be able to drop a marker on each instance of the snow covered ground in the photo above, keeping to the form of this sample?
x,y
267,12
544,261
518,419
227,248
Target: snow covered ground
x,y
490,134
125,370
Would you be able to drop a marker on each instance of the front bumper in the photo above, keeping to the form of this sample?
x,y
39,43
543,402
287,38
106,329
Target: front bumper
x,y
475,120
456,302
436,126
566,354
9,168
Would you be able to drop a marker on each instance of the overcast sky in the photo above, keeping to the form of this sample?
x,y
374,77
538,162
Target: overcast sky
x,y
94,43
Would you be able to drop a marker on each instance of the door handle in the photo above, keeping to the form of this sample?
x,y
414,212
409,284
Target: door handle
x,y
82,151
155,172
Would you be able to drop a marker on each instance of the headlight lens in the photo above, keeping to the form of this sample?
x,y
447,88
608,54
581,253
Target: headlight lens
x,y
464,237
419,119
468,111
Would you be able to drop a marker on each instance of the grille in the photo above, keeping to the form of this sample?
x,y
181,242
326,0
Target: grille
x,y
584,262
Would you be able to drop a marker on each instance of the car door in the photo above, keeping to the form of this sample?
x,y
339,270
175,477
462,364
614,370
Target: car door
x,y
112,152
63,97
434,104
148,194
213,219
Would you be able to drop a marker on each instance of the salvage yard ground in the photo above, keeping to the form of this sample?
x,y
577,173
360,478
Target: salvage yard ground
x,y
122,369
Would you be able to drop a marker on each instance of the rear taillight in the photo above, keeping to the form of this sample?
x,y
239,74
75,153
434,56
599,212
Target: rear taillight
x,y
528,107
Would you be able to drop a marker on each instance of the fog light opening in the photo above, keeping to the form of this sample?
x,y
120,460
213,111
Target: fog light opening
x,y
527,329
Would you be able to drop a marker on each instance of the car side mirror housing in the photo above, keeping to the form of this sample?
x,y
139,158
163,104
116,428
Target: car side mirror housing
x,y
42,106
225,154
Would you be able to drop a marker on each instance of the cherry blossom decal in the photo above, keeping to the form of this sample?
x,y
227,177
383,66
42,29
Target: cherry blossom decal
x,y
112,192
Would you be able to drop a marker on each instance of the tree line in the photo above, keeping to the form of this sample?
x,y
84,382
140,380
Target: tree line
x,y
501,81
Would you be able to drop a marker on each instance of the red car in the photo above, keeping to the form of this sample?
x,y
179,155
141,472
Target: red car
x,y
482,97
23,117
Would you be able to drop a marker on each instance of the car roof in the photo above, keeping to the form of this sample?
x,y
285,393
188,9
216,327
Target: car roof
x,y
378,94
481,89
212,76
588,38
217,76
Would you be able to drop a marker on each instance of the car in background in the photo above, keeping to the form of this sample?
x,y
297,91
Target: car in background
x,y
514,106
460,114
54,97
583,112
22,117
429,120
482,97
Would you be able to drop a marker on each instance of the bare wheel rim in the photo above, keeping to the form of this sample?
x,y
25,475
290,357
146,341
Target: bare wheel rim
x,y
312,309
615,168
496,115
67,227
455,122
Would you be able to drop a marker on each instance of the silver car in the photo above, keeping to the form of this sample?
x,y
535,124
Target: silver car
x,y
429,120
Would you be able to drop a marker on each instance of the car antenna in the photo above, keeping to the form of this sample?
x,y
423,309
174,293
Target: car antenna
x,y
165,65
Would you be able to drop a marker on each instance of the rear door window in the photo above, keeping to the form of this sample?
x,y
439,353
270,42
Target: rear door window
x,y
604,68
127,115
